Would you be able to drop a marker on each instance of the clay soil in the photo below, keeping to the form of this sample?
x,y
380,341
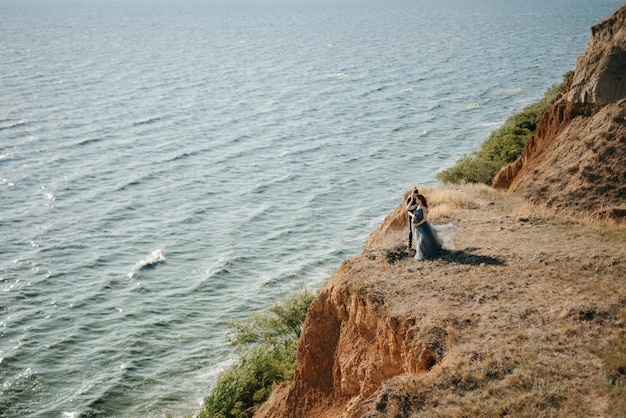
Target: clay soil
x,y
526,314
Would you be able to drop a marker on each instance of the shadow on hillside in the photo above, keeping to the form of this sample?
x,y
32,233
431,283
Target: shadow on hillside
x,y
467,256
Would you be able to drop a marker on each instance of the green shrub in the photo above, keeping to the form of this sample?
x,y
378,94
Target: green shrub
x,y
249,382
266,344
281,323
503,145
470,169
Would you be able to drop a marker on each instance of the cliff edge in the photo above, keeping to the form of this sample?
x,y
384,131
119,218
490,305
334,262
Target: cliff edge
x,y
525,318
575,161
522,319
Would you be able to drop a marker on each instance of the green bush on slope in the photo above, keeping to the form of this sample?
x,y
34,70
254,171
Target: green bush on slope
x,y
266,343
503,145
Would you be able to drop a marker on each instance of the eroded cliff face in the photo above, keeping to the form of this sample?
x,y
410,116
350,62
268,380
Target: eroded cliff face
x,y
352,343
575,161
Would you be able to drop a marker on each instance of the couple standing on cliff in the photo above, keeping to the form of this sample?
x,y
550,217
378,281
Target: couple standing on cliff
x,y
429,239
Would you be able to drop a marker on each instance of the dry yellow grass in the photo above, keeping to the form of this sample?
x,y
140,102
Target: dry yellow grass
x,y
533,305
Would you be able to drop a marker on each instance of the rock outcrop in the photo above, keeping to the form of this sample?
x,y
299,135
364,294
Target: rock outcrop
x,y
576,160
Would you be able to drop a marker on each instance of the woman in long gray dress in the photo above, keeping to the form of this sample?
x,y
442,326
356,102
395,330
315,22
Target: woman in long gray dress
x,y
427,241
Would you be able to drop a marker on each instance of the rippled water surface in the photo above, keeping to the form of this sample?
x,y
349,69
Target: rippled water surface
x,y
167,166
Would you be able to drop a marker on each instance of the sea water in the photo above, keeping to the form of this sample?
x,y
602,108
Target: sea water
x,y
169,166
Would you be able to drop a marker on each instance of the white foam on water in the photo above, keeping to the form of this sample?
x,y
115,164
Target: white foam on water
x,y
155,257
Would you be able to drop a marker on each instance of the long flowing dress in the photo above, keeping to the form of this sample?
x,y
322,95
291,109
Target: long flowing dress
x,y
430,239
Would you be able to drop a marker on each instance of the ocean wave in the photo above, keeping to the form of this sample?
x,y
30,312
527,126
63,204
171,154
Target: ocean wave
x,y
227,266
155,258
181,156
144,179
510,92
266,186
12,125
147,121
89,141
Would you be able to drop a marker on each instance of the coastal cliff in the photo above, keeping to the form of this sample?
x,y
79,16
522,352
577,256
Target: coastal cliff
x,y
525,318
575,160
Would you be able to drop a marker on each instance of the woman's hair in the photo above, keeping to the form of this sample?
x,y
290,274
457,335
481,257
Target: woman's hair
x,y
422,199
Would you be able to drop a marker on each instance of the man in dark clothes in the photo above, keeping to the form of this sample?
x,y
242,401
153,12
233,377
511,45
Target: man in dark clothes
x,y
411,205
